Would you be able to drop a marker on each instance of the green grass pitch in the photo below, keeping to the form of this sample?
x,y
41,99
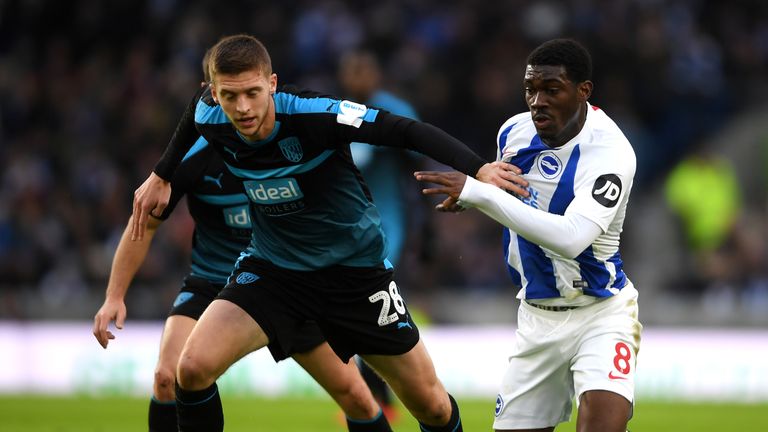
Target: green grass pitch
x,y
113,414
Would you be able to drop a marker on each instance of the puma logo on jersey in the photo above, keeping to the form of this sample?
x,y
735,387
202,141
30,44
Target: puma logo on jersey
x,y
232,152
214,180
607,190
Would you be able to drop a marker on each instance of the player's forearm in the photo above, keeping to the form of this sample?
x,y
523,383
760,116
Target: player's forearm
x,y
566,235
183,138
428,140
129,257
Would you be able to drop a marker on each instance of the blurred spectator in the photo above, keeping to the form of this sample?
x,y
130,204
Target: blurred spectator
x,y
704,193
384,169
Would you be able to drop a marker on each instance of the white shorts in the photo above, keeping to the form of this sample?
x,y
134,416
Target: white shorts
x,y
561,354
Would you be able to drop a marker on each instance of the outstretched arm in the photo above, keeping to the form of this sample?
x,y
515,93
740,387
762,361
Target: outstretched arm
x,y
386,129
501,174
567,235
128,258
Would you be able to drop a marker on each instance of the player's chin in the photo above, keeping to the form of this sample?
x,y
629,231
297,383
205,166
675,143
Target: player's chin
x,y
547,132
247,131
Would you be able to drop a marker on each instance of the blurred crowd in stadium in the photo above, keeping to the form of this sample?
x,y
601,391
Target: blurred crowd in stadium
x,y
90,92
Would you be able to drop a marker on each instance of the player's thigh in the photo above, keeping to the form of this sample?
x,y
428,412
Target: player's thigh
x,y
604,411
175,333
224,334
537,387
411,375
328,370
607,355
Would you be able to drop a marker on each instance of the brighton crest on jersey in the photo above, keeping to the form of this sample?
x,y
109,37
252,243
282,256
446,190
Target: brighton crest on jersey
x,y
591,175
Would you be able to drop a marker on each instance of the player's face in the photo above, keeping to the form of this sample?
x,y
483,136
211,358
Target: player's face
x,y
558,105
246,99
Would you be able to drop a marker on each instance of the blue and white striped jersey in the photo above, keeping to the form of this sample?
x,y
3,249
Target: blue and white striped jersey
x,y
591,175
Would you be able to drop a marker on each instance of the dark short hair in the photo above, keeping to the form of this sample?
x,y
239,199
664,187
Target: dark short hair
x,y
238,53
567,53
206,61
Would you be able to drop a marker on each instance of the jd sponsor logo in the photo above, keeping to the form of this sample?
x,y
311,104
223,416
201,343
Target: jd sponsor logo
x,y
237,217
607,190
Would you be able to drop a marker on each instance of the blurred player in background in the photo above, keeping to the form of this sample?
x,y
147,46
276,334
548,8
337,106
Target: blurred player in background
x,y
319,252
219,207
360,78
578,329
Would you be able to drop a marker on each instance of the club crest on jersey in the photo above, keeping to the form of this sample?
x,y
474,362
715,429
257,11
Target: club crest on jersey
x,y
291,148
549,165
499,405
245,278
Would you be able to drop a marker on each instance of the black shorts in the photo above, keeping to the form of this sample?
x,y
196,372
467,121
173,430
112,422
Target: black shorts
x,y
196,294
358,309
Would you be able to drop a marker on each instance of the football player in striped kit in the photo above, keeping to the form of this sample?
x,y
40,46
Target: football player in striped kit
x,y
578,330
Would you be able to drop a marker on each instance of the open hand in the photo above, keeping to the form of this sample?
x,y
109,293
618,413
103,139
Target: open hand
x,y
504,175
452,183
109,311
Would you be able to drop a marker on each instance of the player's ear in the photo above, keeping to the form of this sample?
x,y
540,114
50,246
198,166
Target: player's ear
x,y
272,83
584,90
212,86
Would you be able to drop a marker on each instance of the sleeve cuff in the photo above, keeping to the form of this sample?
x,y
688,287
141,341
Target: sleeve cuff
x,y
466,196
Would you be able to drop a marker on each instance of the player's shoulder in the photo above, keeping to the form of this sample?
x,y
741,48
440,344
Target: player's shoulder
x,y
608,144
519,127
200,155
606,133
518,122
291,99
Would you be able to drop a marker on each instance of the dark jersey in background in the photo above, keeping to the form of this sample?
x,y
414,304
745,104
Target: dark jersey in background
x,y
219,208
